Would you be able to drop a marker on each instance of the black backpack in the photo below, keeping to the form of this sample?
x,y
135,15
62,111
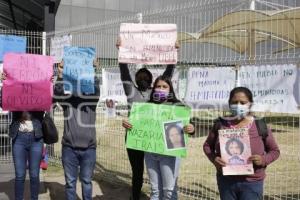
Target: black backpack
x,y
260,123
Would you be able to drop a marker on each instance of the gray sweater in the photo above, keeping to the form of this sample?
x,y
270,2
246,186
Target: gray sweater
x,y
79,116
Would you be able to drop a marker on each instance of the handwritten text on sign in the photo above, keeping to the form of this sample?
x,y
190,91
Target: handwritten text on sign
x,y
28,85
78,70
148,120
209,87
11,44
57,46
148,43
273,87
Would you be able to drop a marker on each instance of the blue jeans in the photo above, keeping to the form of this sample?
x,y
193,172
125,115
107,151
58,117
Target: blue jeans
x,y
27,151
231,189
163,172
72,160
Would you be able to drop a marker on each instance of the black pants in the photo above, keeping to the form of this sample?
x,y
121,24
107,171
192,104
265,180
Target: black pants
x,y
136,159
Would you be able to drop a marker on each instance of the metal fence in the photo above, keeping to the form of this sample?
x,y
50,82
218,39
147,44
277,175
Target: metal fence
x,y
34,46
197,174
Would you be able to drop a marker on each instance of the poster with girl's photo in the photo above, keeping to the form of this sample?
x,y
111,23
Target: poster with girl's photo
x,y
174,135
235,151
110,107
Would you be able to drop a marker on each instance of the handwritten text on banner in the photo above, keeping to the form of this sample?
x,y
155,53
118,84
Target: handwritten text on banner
x,y
148,43
28,85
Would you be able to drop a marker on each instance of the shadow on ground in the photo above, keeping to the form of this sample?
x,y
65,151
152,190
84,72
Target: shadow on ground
x,y
113,184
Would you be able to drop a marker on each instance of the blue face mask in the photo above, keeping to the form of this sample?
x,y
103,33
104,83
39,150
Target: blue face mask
x,y
239,110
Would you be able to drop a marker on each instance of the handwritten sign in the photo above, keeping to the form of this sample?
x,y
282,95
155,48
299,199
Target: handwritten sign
x,y
78,70
57,46
113,86
148,43
11,44
148,132
273,87
209,87
28,85
235,151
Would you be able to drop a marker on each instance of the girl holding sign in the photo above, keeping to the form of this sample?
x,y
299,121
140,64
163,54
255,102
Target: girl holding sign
x,y
263,148
138,92
162,169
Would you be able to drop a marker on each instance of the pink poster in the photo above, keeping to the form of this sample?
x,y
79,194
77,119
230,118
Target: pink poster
x,y
28,85
235,151
148,43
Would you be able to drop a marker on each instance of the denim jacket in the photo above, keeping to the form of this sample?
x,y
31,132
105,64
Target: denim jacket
x,y
15,125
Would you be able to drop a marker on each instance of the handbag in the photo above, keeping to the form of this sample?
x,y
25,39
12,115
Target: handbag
x,y
50,133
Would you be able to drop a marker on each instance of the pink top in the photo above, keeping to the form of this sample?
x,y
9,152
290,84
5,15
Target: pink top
x,y
211,148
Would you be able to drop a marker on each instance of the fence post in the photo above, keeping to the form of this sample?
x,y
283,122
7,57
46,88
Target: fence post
x,y
44,43
139,17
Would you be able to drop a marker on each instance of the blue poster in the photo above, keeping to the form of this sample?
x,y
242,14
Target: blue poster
x,y
78,70
11,44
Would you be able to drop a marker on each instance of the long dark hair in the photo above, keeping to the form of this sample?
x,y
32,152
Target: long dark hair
x,y
171,97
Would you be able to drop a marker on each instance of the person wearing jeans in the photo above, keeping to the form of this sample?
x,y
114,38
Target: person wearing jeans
x,y
79,137
138,92
27,149
162,169
85,159
163,172
264,150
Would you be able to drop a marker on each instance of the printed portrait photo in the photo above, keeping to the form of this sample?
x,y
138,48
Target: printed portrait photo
x,y
235,148
174,135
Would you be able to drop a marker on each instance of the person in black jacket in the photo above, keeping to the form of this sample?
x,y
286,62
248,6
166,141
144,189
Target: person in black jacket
x,y
79,137
138,93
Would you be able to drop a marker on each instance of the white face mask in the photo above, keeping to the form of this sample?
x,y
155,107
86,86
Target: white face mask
x,y
239,110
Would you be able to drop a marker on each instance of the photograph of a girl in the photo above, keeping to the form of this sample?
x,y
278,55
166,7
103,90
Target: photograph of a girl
x,y
234,147
174,135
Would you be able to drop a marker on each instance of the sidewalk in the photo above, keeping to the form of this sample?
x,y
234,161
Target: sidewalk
x,y
52,187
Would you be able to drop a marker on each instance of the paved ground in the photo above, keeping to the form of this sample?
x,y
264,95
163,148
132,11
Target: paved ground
x,y
52,187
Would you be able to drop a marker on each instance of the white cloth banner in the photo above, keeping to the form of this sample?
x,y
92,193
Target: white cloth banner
x,y
57,46
113,88
274,87
209,87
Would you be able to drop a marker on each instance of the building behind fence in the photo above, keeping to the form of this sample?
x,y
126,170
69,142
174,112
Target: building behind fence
x,y
197,174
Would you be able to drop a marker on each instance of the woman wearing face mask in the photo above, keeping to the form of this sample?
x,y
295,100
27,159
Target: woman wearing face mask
x,y
242,187
138,93
163,170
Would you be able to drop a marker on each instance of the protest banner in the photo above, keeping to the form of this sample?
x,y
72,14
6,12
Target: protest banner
x,y
78,72
235,151
209,87
148,43
274,87
11,44
28,85
150,122
57,46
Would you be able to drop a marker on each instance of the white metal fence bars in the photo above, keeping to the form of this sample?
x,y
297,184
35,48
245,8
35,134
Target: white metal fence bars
x,y
34,46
